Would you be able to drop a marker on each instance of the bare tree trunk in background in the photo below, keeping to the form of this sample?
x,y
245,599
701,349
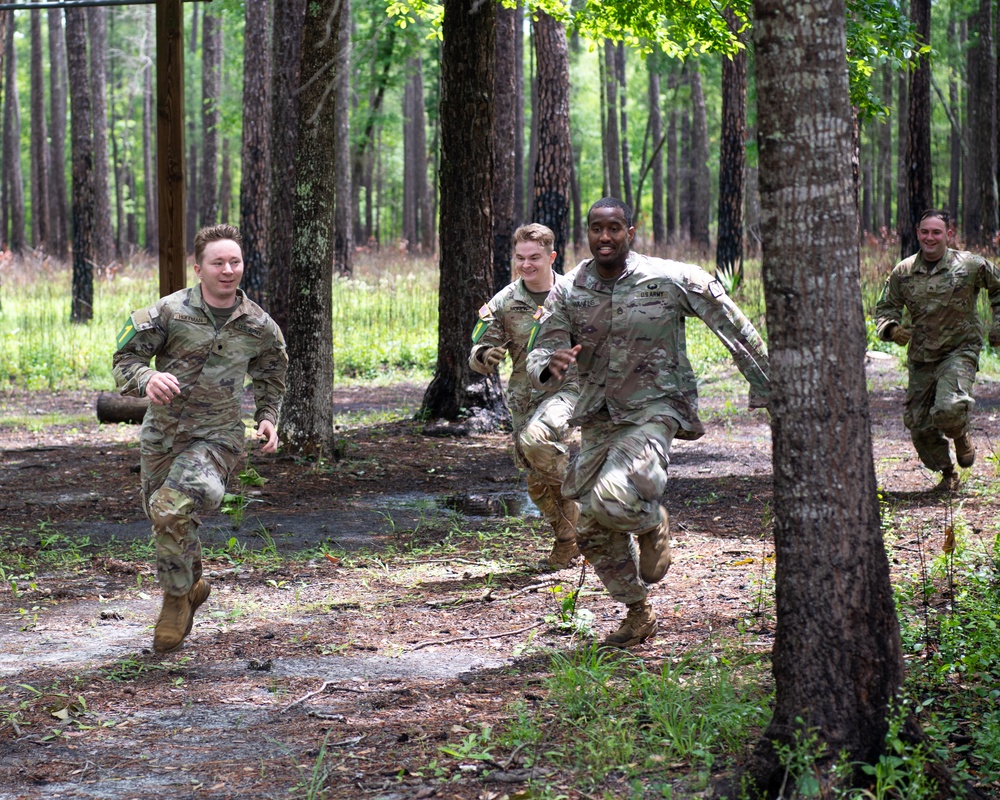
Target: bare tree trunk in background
x,y
699,154
191,201
837,657
980,173
902,138
226,184
104,237
289,17
655,134
885,156
555,149
343,215
673,168
732,159
409,213
919,187
623,114
867,183
58,192
152,239
3,206
12,177
466,236
686,172
255,212
40,230
82,145
751,205
519,213
307,418
211,88
504,135
955,142
532,132
425,199
612,139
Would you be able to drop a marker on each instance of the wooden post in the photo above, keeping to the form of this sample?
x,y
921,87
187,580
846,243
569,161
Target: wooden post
x,y
170,143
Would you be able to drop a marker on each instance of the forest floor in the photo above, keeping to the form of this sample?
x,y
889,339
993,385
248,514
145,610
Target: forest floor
x,y
366,612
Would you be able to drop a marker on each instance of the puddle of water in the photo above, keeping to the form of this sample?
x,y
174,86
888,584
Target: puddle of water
x,y
492,504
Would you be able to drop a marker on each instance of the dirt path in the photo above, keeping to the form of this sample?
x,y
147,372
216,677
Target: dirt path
x,y
427,623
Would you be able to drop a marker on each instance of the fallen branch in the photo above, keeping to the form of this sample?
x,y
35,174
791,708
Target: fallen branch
x,y
422,645
488,596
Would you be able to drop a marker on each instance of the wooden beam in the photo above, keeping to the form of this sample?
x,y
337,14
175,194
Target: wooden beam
x,y
170,143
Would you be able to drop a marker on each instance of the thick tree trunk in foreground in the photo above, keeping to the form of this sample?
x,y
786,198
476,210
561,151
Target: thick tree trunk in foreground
x,y
307,418
466,231
837,658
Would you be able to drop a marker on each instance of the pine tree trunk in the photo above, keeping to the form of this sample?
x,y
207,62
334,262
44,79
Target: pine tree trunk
x,y
425,201
885,157
12,177
699,153
555,149
466,236
58,192
837,659
902,138
955,143
629,198
673,167
656,134
981,222
612,139
504,134
307,418
82,147
409,211
40,227
732,159
255,184
104,238
152,238
211,87
343,231
519,214
919,187
226,190
867,187
289,17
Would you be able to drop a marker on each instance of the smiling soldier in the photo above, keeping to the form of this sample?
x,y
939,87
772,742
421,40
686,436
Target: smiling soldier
x,y
205,340
939,288
505,325
620,321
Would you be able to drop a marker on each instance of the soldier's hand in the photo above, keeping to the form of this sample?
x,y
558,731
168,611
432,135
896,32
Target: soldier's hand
x,y
162,387
901,335
267,432
493,356
995,338
562,360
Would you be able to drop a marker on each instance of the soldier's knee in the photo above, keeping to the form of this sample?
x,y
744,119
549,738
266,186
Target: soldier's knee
x,y
170,511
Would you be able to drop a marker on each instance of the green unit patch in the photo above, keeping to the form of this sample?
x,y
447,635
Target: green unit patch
x,y
533,335
125,334
480,329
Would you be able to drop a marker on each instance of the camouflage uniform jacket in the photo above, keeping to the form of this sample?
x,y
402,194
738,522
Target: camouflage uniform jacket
x,y
941,300
513,314
179,331
633,359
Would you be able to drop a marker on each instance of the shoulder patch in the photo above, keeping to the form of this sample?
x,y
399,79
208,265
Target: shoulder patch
x,y
716,289
483,323
141,320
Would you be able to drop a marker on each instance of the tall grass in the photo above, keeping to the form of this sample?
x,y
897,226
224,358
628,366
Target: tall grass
x,y
385,320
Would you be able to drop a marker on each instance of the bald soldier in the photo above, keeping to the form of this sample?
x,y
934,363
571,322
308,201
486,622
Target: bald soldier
x,y
205,341
505,326
620,321
939,288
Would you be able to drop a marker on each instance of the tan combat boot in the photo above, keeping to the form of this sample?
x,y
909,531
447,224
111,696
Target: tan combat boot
x,y
654,550
638,625
965,450
565,550
949,481
199,594
173,624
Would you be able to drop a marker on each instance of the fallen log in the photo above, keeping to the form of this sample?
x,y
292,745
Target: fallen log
x,y
112,408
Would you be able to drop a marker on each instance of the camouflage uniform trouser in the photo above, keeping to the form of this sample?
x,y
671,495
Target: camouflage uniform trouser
x,y
938,405
619,478
539,441
176,487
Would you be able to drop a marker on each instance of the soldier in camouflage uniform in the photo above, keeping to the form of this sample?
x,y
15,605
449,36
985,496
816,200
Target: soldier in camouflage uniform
x,y
939,288
205,340
621,321
506,324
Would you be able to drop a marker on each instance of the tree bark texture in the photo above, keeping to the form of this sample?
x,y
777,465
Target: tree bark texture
x,y
955,156
409,215
655,135
12,178
612,138
152,239
902,139
554,165
504,136
58,192
256,157
104,238
981,221
343,231
465,228
919,188
211,88
885,157
519,215
40,215
629,198
112,407
289,17
673,168
82,148
686,171
837,658
701,184
732,159
307,419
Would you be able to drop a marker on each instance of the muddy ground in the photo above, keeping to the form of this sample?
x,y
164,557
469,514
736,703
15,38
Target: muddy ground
x,y
420,616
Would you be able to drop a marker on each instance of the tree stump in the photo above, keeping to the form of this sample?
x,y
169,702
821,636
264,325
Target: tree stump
x,y
113,407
